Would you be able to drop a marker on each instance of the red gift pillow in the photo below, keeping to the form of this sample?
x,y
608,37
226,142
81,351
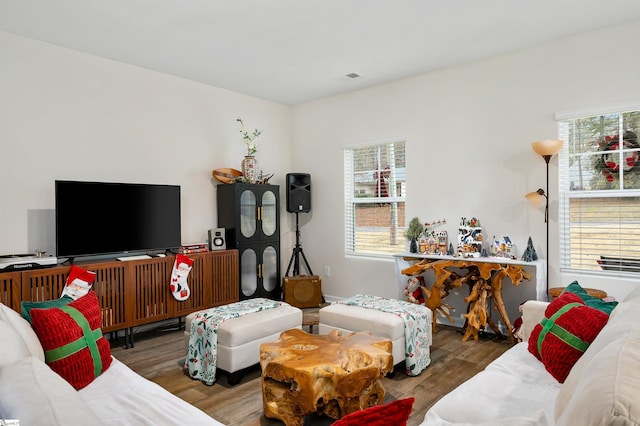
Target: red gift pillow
x,y
72,340
566,331
395,413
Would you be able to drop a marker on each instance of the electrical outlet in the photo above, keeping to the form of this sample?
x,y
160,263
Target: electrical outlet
x,y
327,271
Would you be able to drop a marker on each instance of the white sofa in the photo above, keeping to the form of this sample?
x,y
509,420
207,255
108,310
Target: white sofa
x,y
35,395
603,387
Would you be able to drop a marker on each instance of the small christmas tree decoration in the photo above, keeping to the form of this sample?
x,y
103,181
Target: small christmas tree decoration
x,y
413,232
78,283
181,268
530,254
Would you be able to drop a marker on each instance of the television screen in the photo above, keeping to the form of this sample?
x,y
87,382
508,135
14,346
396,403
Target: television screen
x,y
95,218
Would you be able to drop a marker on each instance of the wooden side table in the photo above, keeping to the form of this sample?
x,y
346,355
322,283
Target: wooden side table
x,y
556,291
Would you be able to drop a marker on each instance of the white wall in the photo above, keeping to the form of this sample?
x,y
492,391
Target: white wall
x,y
69,115
468,132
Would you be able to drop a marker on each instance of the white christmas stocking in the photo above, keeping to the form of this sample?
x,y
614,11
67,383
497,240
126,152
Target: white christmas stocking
x,y
79,282
181,268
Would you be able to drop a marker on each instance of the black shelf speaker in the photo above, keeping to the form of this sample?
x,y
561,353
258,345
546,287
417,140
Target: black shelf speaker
x,y
298,192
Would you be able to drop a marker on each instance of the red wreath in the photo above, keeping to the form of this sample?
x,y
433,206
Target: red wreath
x,y
630,159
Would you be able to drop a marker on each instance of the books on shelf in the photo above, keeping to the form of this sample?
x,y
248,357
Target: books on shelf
x,y
194,248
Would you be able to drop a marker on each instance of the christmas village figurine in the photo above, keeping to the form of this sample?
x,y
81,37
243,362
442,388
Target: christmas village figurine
x,y
443,239
503,248
469,238
432,242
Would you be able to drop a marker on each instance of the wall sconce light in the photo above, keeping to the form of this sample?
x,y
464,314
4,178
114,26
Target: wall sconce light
x,y
537,198
547,149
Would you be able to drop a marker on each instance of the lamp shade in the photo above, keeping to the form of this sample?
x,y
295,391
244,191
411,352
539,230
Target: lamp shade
x,y
536,197
547,147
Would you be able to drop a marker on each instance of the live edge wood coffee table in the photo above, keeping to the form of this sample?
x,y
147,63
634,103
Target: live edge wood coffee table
x,y
330,374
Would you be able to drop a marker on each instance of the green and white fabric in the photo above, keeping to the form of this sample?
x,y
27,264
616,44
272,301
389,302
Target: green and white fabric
x,y
417,327
202,354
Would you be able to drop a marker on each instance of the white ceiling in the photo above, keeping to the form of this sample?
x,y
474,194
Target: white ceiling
x,y
293,51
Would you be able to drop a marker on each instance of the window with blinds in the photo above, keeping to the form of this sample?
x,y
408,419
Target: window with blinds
x,y
375,190
600,193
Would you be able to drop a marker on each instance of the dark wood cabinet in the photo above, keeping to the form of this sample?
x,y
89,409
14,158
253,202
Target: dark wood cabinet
x,y
250,214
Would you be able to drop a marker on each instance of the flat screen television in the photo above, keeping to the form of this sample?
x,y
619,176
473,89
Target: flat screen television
x,y
100,218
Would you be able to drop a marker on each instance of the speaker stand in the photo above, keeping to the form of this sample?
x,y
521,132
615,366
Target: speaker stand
x,y
295,256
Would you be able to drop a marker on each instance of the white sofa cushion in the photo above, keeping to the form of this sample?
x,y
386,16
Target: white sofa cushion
x,y
634,294
121,397
627,305
34,394
23,328
602,387
532,314
12,348
514,389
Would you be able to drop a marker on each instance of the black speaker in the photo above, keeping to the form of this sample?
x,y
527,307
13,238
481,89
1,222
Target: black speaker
x,y
298,192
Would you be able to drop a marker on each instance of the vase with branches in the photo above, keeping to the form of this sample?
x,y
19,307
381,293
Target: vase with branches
x,y
249,139
249,164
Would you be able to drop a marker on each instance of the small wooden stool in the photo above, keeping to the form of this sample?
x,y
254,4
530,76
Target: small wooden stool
x,y
330,374
556,291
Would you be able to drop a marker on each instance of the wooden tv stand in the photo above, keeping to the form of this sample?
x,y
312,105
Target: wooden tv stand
x,y
135,292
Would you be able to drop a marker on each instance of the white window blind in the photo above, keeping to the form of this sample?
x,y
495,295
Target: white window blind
x,y
600,193
375,189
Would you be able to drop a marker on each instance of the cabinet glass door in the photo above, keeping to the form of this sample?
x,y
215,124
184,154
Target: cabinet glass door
x,y
269,225
270,268
248,214
248,275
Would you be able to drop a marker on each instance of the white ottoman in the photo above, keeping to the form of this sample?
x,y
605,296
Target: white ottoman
x,y
348,318
239,339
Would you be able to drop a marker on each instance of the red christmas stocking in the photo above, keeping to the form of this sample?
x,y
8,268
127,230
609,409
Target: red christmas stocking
x,y
79,282
181,268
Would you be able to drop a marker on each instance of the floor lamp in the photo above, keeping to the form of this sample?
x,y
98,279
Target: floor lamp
x,y
547,149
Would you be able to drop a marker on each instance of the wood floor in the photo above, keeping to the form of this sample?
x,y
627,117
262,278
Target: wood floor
x,y
159,355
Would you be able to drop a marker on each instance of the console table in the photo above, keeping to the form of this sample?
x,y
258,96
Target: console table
x,y
134,292
512,295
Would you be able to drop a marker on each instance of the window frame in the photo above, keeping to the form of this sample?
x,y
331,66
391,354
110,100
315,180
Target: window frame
x,y
351,200
567,194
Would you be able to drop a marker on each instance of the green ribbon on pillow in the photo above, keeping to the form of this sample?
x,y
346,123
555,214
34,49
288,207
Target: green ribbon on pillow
x,y
88,340
549,326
